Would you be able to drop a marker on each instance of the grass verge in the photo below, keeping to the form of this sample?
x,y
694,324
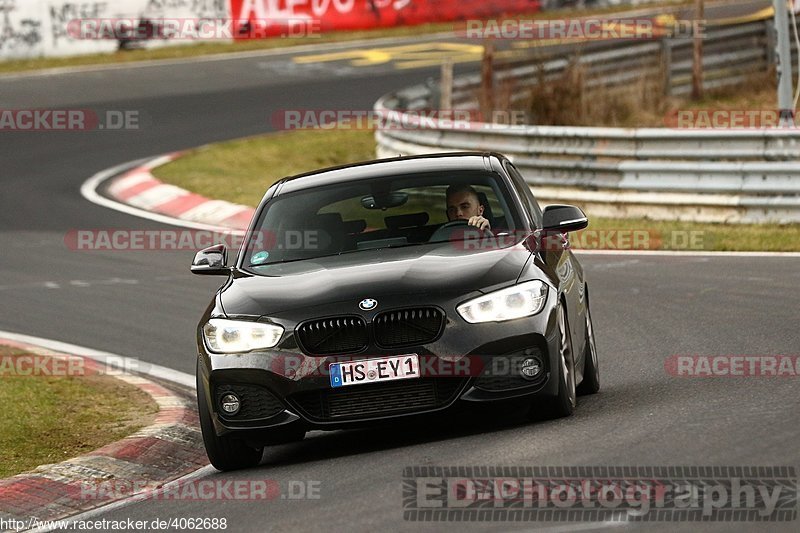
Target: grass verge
x,y
693,236
49,419
241,171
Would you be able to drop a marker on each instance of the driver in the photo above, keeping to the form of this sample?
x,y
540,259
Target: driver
x,y
463,204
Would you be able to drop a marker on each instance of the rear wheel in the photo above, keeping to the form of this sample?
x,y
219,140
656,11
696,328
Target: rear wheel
x,y
591,369
225,452
563,404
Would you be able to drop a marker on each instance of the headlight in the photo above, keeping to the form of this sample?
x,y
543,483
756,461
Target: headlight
x,y
236,336
521,300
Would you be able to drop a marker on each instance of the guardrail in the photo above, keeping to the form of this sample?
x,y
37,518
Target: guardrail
x,y
748,175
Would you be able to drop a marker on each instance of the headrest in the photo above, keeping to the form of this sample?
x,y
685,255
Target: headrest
x,y
487,209
327,220
352,227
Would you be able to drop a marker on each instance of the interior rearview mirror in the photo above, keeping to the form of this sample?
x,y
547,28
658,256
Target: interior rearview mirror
x,y
384,201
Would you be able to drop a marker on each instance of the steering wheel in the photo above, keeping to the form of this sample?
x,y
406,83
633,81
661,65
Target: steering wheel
x,y
445,231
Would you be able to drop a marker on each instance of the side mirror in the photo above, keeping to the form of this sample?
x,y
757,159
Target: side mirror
x,y
211,261
564,219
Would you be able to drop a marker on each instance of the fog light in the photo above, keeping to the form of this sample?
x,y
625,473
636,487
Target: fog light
x,y
531,367
230,404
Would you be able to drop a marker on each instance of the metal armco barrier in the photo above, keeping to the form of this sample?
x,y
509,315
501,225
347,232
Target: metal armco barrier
x,y
712,175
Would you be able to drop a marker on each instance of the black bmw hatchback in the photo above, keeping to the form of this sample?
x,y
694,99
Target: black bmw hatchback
x,y
391,288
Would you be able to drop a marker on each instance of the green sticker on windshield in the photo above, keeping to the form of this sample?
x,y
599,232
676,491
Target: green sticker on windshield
x,y
259,258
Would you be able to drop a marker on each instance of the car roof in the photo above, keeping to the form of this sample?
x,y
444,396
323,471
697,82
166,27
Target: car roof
x,y
442,162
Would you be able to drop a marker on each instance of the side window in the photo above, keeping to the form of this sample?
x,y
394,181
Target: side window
x,y
525,192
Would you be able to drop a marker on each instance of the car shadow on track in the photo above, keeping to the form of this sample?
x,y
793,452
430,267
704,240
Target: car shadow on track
x,y
463,421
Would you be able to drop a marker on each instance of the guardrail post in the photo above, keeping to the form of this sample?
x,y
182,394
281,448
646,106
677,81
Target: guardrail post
x,y
666,62
784,51
772,43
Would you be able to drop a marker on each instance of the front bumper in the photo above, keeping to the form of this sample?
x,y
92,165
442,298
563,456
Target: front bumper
x,y
467,363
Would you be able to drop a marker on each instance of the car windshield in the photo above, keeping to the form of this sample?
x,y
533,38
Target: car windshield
x,y
386,212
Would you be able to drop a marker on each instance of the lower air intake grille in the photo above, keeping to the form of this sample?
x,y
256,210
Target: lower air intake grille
x,y
360,401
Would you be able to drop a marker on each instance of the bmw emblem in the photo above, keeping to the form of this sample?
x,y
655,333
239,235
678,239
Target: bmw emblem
x,y
368,304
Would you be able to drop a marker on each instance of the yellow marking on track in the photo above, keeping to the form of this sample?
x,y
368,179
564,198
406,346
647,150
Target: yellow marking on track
x,y
404,57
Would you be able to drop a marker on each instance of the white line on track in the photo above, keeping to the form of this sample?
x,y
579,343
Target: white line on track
x,y
148,369
687,253
89,192
589,526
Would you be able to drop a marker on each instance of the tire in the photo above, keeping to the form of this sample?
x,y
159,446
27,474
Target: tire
x,y
225,452
591,367
563,404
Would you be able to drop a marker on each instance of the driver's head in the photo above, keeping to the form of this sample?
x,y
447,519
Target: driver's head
x,y
463,203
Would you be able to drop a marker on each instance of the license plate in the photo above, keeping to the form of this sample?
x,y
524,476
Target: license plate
x,y
374,370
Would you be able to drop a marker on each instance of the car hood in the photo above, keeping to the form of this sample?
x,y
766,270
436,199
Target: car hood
x,y
432,269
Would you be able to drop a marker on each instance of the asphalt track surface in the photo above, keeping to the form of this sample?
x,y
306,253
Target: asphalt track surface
x,y
145,305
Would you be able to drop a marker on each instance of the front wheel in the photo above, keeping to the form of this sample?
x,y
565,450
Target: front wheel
x,y
563,404
591,368
225,452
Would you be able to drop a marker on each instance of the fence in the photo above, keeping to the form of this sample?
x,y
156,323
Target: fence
x,y
747,175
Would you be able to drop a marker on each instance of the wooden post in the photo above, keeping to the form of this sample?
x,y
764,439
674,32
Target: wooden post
x,y
446,100
697,64
487,81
